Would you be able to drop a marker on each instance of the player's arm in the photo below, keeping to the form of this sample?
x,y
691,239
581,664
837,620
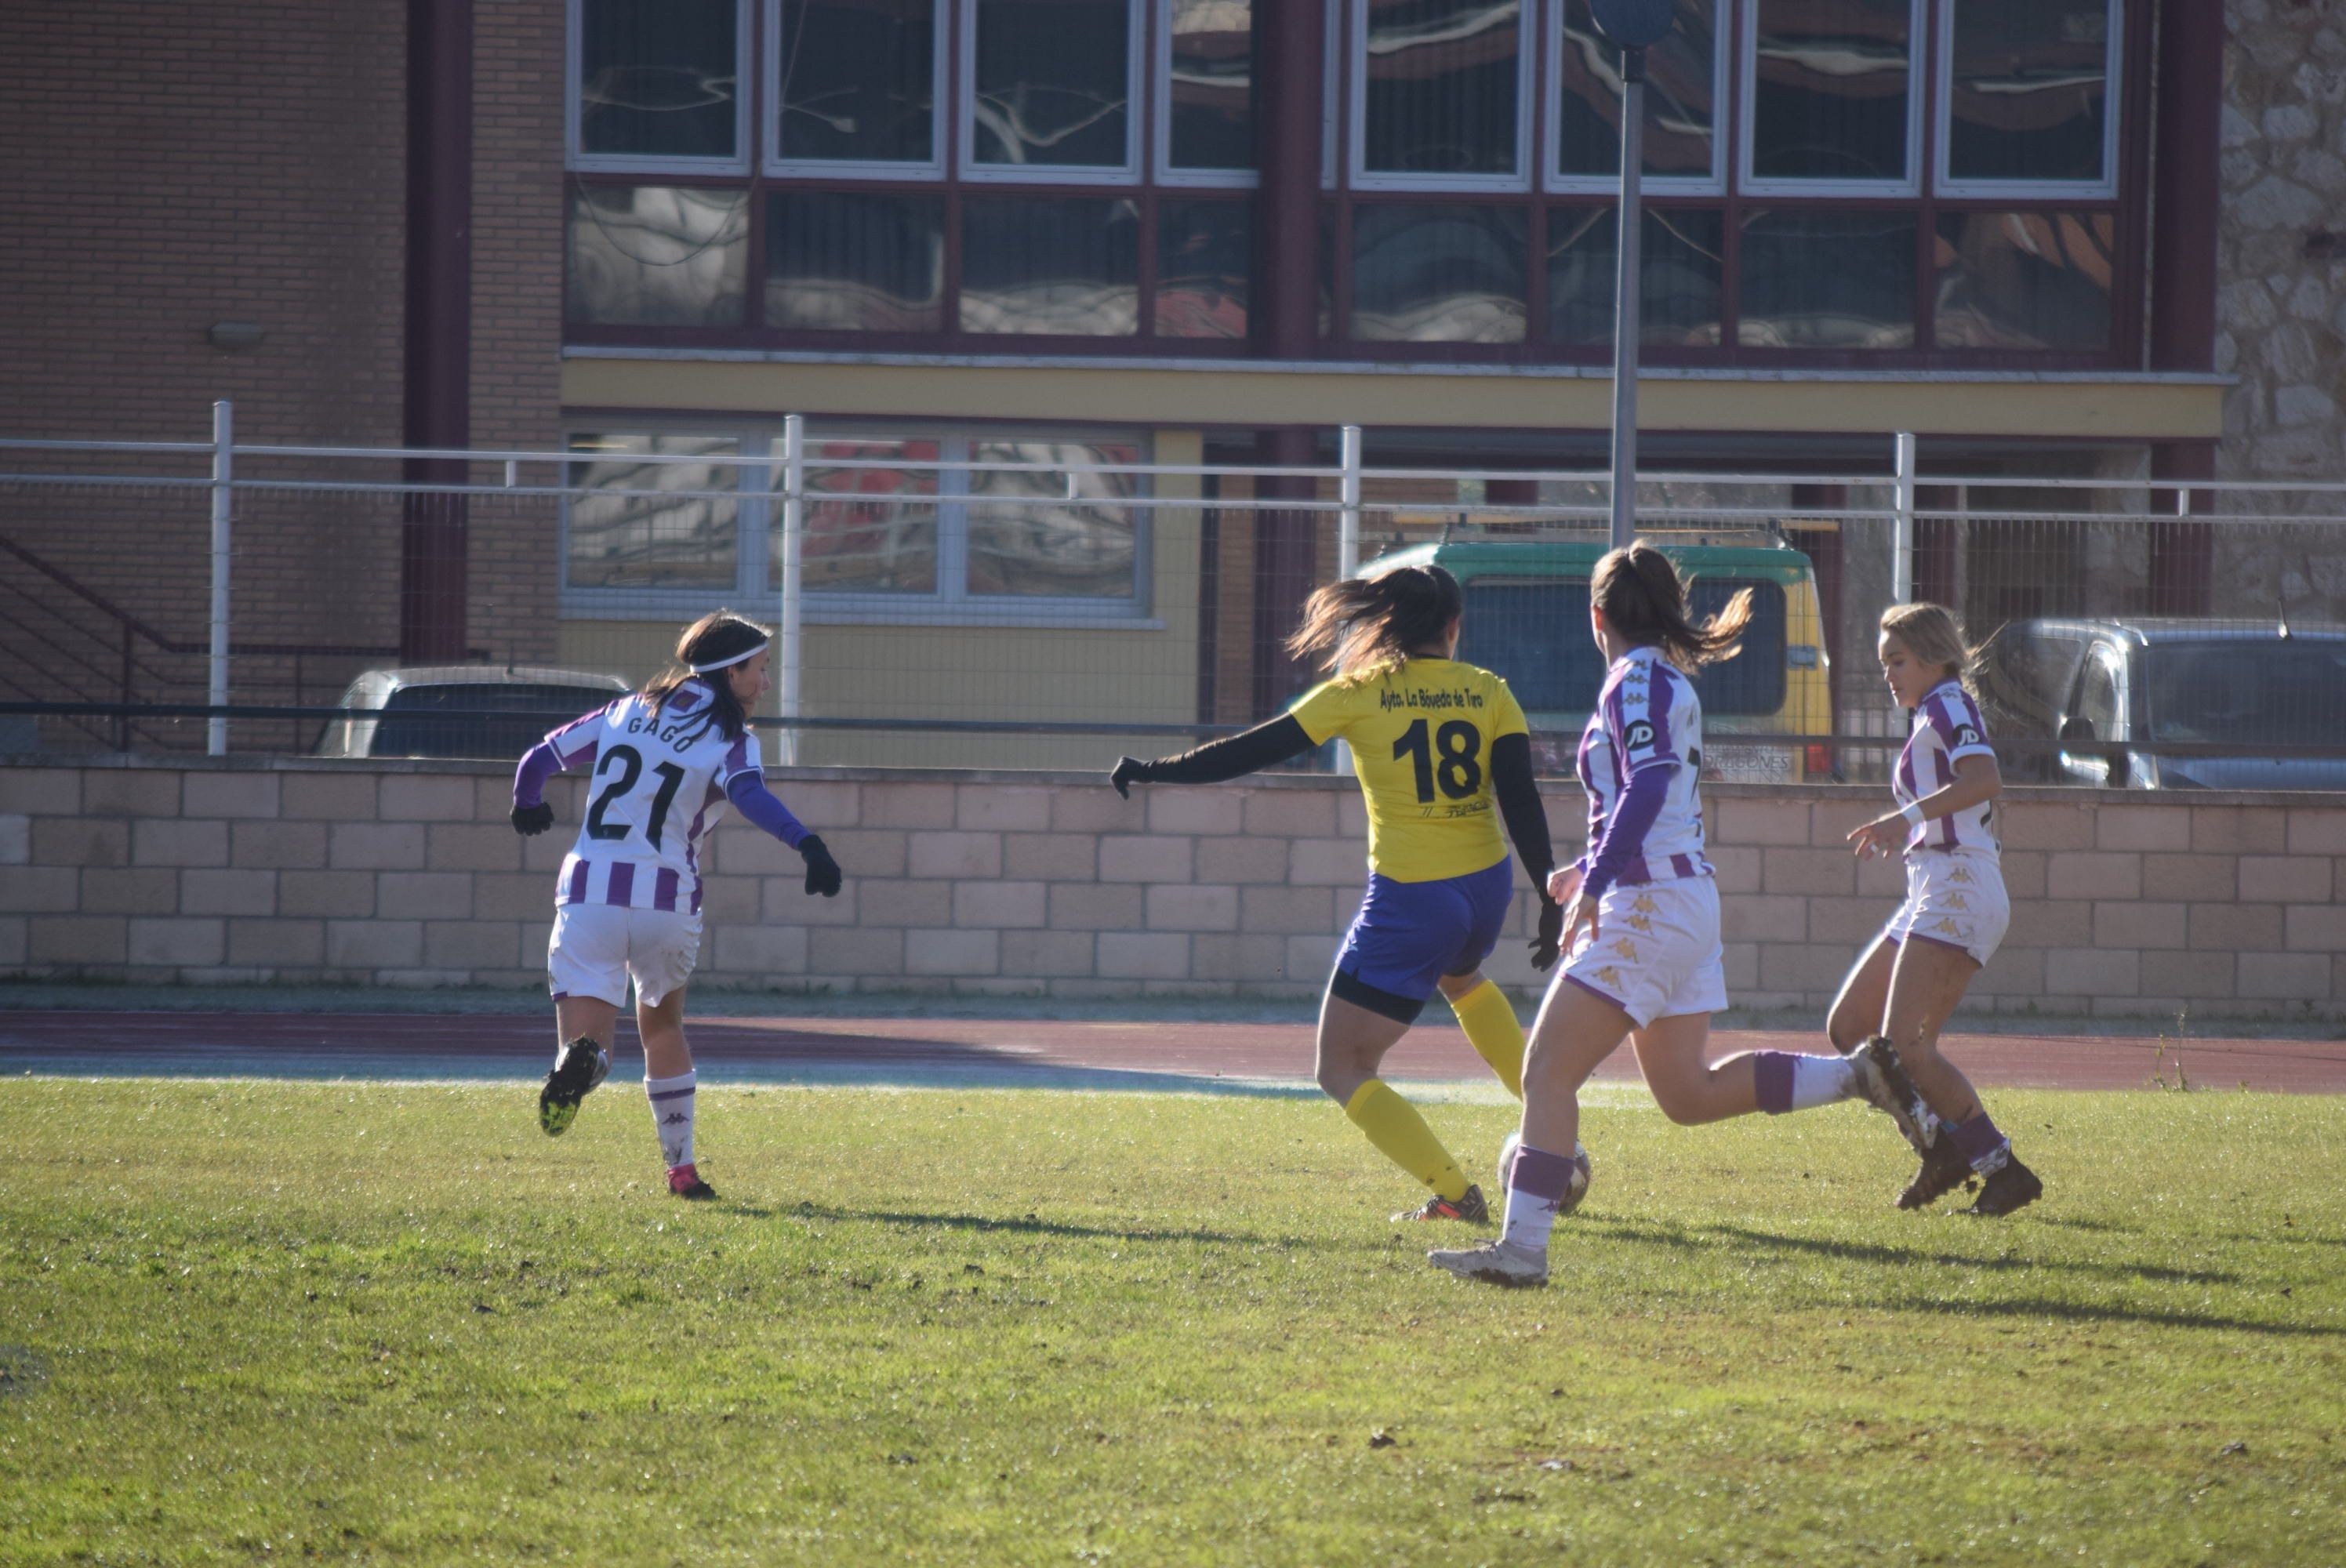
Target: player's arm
x,y
1977,778
744,784
1217,761
1519,807
572,745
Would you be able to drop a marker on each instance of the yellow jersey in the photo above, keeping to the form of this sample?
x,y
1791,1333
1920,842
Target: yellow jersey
x,y
1421,734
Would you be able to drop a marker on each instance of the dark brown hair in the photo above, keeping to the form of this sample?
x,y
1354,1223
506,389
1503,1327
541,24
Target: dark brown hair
x,y
1363,624
718,635
1643,602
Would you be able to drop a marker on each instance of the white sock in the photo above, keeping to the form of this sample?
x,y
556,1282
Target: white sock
x,y
1821,1080
671,1101
1537,1182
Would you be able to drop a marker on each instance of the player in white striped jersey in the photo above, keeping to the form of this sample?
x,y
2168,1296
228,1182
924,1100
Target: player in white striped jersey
x,y
667,761
1641,935
1912,976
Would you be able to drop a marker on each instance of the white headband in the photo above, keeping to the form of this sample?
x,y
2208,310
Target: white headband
x,y
750,652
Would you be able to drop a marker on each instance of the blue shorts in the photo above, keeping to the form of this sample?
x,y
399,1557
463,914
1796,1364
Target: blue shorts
x,y
1407,935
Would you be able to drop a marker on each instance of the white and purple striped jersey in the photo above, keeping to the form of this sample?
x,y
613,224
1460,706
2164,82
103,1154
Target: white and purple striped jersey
x,y
1947,726
1646,716
659,786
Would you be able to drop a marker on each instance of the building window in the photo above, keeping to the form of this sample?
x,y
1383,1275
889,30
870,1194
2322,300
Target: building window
x,y
658,84
1048,90
658,256
1452,273
1685,86
653,524
1831,97
1683,267
1205,93
1438,92
2024,280
855,261
855,88
2027,97
1050,266
893,528
1822,278
1203,264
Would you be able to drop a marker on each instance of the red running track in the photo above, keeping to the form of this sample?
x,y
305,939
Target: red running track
x,y
1005,1053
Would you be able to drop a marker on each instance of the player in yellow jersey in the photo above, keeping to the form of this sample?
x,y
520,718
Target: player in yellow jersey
x,y
1443,754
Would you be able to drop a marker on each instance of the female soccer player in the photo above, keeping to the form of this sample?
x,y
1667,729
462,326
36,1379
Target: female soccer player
x,y
1435,743
1911,976
1643,928
668,760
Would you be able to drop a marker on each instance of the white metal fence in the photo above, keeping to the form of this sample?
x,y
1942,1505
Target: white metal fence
x,y
1005,604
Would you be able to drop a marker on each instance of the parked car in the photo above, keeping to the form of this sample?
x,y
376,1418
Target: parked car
x,y
523,703
1527,619
2119,686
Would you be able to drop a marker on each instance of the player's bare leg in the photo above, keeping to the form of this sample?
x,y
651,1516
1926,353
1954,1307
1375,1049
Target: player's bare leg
x,y
670,1086
1929,981
583,1027
1351,1046
1857,1012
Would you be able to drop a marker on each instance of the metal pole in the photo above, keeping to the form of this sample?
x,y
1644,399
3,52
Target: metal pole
x,y
1901,546
1626,297
223,478
793,583
1348,535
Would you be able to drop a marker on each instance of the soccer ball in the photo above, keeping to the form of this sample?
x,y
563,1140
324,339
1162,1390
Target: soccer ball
x,y
1582,1170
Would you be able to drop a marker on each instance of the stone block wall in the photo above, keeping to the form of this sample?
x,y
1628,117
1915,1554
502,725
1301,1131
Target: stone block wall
x,y
1047,885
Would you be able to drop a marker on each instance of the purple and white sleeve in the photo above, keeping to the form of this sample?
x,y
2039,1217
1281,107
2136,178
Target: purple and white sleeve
x,y
573,745
759,805
1625,831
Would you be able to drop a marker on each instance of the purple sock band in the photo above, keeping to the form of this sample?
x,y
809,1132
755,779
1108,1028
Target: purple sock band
x,y
1540,1172
1977,1138
1772,1080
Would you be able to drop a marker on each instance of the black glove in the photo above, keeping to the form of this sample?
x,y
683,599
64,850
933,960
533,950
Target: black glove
x,y
1549,942
529,821
823,875
1129,770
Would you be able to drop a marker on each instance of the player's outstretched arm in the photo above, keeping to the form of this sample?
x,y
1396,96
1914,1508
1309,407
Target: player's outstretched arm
x,y
759,806
531,814
1519,807
1219,761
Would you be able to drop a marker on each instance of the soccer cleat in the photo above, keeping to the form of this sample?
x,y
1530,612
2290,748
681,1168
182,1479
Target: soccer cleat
x,y
1494,1263
2009,1186
1470,1208
580,1067
1882,1079
1943,1170
685,1182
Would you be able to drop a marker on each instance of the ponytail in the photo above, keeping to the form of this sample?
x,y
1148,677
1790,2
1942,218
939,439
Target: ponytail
x,y
1645,603
1361,624
720,637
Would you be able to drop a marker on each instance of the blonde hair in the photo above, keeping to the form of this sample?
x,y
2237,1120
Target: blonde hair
x,y
1931,633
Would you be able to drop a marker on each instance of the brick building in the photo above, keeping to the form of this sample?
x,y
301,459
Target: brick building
x,y
2081,236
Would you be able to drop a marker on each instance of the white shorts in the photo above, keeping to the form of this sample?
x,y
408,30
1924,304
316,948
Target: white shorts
x,y
596,947
1954,898
1657,952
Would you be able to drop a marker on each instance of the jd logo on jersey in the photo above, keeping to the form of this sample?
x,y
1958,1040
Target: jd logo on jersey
x,y
1641,736
1967,735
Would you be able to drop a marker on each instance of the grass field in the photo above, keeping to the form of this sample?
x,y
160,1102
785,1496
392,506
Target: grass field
x,y
264,1322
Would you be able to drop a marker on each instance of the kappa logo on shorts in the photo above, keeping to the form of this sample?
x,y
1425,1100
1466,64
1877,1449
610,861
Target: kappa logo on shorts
x,y
1960,874
1639,923
1609,975
1626,949
1956,902
1644,905
1641,736
1951,927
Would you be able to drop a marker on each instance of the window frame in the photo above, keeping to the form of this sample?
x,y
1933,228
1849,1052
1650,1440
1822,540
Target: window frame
x,y
1358,177
1725,40
774,166
2036,190
759,473
578,160
1138,81
1164,171
1918,83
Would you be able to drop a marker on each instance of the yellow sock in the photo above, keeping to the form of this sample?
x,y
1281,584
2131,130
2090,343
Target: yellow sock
x,y
1489,1019
1401,1136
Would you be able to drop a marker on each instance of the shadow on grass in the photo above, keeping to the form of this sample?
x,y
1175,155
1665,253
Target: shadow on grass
x,y
1029,1225
1694,1238
2090,1312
